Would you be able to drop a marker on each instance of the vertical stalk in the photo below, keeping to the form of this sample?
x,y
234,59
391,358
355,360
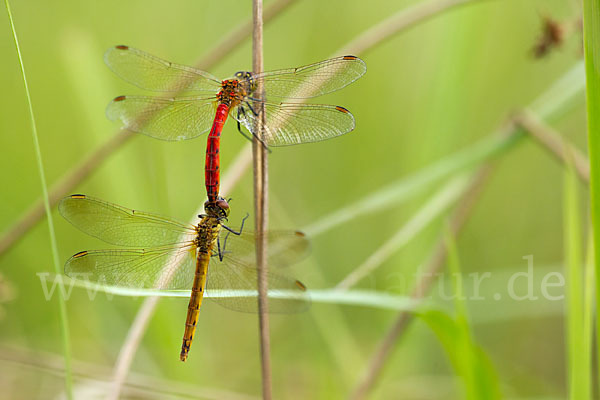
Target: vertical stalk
x,y
591,39
578,373
62,307
261,187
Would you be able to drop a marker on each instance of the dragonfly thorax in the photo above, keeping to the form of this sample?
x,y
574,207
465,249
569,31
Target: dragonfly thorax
x,y
233,92
207,233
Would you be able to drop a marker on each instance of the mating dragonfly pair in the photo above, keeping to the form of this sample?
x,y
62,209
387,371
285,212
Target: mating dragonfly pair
x,y
210,256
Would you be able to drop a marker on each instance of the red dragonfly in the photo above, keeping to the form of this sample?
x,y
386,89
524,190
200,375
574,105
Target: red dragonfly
x,y
186,117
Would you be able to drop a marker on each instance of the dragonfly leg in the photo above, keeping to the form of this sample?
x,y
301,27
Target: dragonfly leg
x,y
221,253
241,227
252,109
242,112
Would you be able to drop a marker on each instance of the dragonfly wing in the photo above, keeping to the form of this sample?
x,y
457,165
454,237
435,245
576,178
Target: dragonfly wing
x,y
164,118
155,268
283,247
123,226
152,73
312,80
295,123
232,284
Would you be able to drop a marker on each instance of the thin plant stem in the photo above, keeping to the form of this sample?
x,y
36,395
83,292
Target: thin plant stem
x,y
90,164
400,21
422,287
591,45
261,204
62,307
588,309
578,371
554,142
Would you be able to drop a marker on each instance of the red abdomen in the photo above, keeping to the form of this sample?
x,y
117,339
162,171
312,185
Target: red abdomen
x,y
211,169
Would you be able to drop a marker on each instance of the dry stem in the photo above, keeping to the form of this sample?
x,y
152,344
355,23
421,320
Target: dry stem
x,y
398,22
554,142
261,203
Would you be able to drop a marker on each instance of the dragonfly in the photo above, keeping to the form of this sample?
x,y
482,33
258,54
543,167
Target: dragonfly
x,y
162,253
208,101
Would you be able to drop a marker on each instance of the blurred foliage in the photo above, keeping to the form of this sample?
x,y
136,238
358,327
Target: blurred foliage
x,y
428,93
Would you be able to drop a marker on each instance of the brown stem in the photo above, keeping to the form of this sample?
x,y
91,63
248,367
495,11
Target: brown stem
x,y
554,142
261,203
398,22
434,265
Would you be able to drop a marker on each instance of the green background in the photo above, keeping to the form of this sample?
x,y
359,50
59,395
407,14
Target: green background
x,y
428,92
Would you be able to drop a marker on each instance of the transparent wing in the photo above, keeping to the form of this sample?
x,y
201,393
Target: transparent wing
x,y
152,73
164,118
283,247
312,80
286,295
294,123
155,268
122,226
237,272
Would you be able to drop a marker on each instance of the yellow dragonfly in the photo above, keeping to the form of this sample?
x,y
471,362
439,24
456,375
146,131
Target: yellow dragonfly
x,y
169,255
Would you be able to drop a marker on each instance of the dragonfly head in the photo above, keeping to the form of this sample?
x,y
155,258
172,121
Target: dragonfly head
x,y
218,209
243,75
247,78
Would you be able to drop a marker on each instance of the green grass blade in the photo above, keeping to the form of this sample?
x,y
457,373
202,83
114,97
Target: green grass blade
x,y
354,297
64,324
588,313
468,359
578,373
591,38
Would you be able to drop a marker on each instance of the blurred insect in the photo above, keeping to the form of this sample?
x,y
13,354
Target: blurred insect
x,y
552,37
169,255
190,116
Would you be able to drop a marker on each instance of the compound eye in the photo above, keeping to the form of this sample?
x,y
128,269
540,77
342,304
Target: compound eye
x,y
222,203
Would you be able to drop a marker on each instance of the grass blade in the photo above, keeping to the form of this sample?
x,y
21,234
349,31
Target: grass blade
x,y
468,359
591,39
355,297
62,308
588,314
578,373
